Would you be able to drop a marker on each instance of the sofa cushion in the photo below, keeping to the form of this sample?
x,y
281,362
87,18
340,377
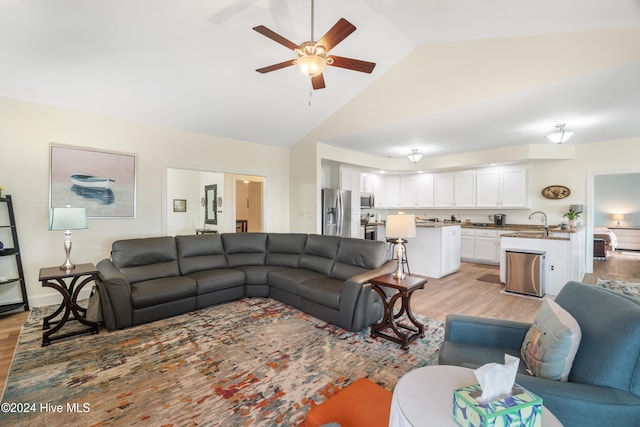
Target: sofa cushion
x,y
356,256
288,279
145,258
551,344
200,252
285,249
245,248
215,280
320,253
324,291
160,291
609,353
257,274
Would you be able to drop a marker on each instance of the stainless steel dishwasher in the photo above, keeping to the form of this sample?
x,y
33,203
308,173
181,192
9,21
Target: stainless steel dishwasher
x,y
525,272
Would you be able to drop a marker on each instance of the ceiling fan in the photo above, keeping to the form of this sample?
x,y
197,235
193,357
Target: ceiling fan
x,y
312,56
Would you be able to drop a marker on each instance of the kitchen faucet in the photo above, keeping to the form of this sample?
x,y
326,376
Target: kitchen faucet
x,y
546,225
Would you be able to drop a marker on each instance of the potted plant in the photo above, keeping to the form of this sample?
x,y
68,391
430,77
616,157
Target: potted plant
x,y
572,216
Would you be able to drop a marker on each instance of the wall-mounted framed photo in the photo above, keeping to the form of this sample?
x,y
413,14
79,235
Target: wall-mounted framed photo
x,y
179,205
102,182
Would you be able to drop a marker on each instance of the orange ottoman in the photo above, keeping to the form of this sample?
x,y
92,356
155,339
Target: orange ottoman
x,y
363,403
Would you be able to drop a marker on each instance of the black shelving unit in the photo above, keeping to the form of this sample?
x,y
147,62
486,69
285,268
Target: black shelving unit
x,y
13,251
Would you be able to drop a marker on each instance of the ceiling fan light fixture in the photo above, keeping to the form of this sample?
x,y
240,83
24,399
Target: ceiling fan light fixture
x,y
415,156
311,65
560,135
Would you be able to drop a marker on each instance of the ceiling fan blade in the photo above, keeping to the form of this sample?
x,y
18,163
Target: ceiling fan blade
x,y
275,67
336,34
352,64
318,82
275,37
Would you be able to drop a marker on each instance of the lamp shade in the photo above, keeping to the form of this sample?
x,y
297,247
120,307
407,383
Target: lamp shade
x,y
68,219
401,226
618,217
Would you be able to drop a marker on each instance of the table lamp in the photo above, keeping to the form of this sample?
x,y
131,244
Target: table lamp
x,y
399,227
618,217
67,219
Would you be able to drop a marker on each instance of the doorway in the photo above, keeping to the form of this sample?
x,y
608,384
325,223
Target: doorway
x,y
188,185
249,194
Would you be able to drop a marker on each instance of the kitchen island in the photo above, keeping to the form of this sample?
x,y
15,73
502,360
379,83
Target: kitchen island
x,y
435,251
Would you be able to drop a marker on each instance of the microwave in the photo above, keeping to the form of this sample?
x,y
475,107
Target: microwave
x,y
367,200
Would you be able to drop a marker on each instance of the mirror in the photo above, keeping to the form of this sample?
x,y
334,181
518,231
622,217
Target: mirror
x,y
211,204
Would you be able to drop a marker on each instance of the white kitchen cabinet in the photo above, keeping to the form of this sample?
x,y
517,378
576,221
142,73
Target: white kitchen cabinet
x,y
350,180
408,186
367,183
425,191
392,190
455,190
502,188
485,249
435,251
481,245
467,244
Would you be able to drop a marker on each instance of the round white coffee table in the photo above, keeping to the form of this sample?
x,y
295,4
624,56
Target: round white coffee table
x,y
424,397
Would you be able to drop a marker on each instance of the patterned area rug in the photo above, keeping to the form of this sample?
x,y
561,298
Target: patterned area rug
x,y
249,362
627,288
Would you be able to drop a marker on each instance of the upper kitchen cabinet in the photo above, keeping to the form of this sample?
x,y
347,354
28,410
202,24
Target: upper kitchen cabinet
x,y
408,195
425,190
455,190
502,188
392,191
367,183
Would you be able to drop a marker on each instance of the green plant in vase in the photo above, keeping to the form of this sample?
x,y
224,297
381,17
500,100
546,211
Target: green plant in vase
x,y
572,216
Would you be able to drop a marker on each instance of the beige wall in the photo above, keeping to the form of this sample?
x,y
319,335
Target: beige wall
x,y
25,134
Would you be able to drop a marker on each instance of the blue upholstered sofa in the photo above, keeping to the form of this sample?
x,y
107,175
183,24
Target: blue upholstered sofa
x,y
604,383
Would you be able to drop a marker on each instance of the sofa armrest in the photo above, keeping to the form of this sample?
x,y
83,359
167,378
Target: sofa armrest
x,y
115,292
577,404
356,294
386,268
485,332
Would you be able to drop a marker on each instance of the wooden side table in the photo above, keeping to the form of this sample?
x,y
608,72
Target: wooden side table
x,y
405,288
53,277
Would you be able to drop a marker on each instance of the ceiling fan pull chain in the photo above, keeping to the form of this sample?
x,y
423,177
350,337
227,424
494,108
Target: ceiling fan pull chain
x,y
310,93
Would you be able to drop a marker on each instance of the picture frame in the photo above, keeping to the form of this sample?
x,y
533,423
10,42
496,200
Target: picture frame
x,y
179,205
103,182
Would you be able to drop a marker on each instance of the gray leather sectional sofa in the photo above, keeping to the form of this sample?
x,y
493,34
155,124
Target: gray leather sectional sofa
x,y
148,279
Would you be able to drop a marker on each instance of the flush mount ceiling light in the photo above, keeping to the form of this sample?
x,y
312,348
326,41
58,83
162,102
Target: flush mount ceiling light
x,y
415,156
560,135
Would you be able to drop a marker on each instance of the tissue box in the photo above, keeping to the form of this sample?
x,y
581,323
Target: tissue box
x,y
522,408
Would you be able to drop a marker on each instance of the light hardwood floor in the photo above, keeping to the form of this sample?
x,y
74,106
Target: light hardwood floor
x,y
461,292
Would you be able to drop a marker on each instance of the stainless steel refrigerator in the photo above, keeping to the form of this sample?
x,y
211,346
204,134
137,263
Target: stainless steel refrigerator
x,y
336,212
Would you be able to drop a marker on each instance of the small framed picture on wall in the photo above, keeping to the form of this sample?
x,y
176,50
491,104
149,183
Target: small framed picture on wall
x,y
179,205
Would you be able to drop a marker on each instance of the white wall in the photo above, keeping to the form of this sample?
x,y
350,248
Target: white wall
x,y
25,134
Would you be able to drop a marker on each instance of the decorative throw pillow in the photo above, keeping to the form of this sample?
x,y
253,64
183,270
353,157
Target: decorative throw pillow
x,y
551,343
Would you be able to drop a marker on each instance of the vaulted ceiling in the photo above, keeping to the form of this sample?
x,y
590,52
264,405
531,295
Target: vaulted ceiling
x,y
451,76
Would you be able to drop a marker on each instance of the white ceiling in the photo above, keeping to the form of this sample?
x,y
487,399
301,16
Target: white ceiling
x,y
190,64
